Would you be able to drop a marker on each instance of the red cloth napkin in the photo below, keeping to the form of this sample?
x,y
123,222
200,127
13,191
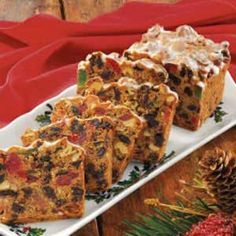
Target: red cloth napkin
x,y
38,57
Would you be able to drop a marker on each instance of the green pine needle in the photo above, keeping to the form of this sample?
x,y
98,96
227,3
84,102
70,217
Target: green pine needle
x,y
36,232
45,118
219,113
167,222
22,230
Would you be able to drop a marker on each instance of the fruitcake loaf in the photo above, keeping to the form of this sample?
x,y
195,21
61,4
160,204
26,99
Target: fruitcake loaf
x,y
196,68
127,125
112,67
95,135
155,104
42,182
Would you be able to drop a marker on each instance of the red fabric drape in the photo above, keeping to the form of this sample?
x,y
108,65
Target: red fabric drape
x,y
38,57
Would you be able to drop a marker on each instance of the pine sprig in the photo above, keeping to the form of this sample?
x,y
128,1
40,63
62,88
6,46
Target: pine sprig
x,y
169,220
45,118
135,175
193,205
219,113
36,232
22,230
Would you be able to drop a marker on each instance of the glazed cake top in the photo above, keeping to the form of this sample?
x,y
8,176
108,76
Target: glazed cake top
x,y
182,47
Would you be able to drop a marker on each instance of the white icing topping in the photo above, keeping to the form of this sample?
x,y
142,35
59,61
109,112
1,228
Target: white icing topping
x,y
153,32
146,62
114,56
102,55
82,65
182,47
201,84
128,82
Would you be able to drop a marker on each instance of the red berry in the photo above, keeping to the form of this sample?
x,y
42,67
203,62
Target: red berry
x,y
77,138
26,229
171,68
214,225
63,180
73,138
114,65
14,166
100,111
82,108
195,120
13,163
125,117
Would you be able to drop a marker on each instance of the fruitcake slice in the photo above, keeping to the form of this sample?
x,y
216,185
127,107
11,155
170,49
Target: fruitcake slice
x,y
42,182
196,67
98,64
127,125
155,104
112,67
95,135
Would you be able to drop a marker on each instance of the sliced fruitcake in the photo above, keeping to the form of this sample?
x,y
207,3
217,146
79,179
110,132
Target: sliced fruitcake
x,y
155,104
44,181
95,135
111,68
127,125
196,67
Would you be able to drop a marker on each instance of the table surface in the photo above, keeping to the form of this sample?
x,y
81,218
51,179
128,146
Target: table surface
x,y
110,223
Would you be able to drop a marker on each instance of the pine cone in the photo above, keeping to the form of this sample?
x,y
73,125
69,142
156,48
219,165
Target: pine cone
x,y
218,169
214,225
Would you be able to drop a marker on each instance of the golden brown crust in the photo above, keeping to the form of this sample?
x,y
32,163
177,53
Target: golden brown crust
x,y
42,182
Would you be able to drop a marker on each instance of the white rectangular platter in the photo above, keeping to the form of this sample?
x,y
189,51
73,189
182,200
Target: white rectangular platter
x,y
182,141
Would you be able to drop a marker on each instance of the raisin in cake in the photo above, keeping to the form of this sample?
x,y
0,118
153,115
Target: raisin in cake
x,y
42,182
196,68
155,104
111,68
95,135
127,125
